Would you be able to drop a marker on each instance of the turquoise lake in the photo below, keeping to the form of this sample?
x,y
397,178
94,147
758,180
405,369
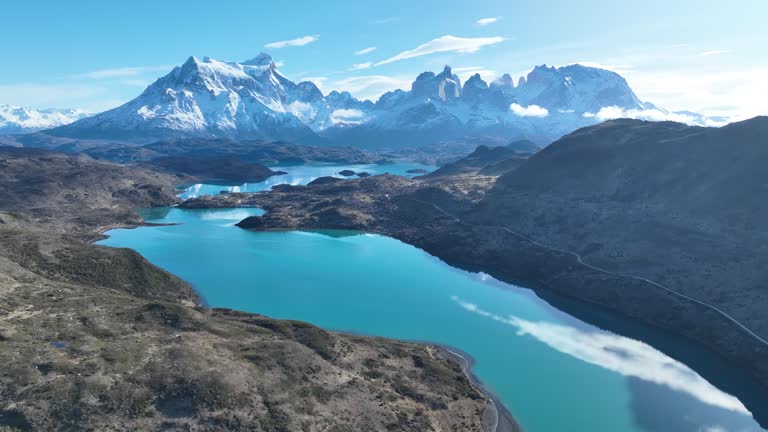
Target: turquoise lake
x,y
553,372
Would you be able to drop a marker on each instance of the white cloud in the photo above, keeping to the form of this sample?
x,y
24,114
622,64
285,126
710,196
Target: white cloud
x,y
347,113
360,66
347,116
737,92
614,112
122,72
365,50
687,81
302,110
445,44
529,111
304,40
279,63
713,52
486,21
621,355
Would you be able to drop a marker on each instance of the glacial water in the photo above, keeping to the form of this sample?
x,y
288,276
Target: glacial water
x,y
303,174
552,371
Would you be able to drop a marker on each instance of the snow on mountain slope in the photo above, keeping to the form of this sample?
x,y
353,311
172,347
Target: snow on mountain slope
x,y
253,100
21,120
577,88
211,98
548,103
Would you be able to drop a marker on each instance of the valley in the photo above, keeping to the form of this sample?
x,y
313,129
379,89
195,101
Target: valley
x,y
387,220
487,213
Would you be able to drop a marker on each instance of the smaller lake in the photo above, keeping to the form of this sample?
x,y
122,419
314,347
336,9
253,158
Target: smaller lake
x,y
303,174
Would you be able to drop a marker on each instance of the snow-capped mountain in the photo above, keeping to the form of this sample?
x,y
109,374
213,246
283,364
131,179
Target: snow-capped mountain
x,y
252,99
574,88
21,120
211,98
545,105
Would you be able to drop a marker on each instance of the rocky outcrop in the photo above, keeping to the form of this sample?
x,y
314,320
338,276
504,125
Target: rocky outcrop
x,y
484,160
213,169
325,180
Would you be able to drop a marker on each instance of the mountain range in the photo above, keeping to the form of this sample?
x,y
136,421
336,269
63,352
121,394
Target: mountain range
x,y
207,98
21,120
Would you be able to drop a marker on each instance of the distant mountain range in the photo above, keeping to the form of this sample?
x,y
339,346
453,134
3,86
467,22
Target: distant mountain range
x,y
207,98
21,120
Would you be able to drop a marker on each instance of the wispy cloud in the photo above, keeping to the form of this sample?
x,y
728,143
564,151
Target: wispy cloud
x,y
301,41
445,44
713,52
347,116
529,111
614,112
486,21
123,72
360,66
279,63
365,51
386,20
702,84
735,93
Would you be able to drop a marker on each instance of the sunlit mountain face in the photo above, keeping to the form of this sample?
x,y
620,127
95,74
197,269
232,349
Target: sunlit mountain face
x,y
254,100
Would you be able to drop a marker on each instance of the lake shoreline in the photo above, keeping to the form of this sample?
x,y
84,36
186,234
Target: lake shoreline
x,y
403,209
497,417
496,412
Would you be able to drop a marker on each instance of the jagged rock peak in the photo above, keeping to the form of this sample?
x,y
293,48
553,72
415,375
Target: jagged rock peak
x,y
475,81
263,59
505,82
443,86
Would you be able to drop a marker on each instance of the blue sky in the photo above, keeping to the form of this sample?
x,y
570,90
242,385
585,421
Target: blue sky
x,y
710,57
